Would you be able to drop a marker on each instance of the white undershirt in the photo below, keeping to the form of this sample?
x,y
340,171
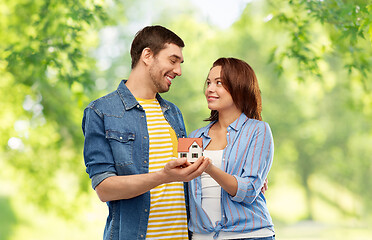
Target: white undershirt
x,y
211,190
211,203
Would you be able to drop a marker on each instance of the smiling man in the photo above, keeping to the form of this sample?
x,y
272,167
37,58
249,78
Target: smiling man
x,y
130,144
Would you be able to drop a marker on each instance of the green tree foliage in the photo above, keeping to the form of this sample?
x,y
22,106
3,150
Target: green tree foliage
x,y
46,73
319,106
348,26
326,46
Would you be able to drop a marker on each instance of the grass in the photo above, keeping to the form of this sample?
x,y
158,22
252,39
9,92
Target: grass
x,y
22,220
7,218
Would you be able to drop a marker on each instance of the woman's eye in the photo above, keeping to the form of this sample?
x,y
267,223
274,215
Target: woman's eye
x,y
219,82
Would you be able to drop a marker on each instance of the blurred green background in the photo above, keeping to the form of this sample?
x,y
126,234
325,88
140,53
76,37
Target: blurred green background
x,y
313,59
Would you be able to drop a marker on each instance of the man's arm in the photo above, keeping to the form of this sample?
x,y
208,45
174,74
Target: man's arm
x,y
125,187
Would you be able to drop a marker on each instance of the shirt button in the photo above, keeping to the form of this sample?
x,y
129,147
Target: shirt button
x,y
145,137
141,236
137,106
121,137
145,210
145,162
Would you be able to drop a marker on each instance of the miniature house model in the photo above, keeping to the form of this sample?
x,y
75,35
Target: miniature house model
x,y
190,148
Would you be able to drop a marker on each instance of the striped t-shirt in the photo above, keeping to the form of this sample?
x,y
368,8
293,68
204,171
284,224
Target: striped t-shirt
x,y
167,218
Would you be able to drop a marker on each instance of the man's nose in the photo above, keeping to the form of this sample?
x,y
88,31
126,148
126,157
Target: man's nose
x,y
177,70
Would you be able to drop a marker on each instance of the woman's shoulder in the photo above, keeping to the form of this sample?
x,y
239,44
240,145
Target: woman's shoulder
x,y
256,125
257,122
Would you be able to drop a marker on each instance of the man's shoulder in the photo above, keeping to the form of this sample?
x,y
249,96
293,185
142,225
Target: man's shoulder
x,y
104,100
110,98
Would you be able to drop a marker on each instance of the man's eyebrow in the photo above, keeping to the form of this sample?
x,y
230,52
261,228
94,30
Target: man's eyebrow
x,y
178,57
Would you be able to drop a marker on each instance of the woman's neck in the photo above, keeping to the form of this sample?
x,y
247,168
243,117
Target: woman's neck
x,y
225,119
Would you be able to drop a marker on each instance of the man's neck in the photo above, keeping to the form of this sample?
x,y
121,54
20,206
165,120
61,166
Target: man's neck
x,y
139,85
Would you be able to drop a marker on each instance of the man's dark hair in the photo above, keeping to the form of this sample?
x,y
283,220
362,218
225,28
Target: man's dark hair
x,y
155,38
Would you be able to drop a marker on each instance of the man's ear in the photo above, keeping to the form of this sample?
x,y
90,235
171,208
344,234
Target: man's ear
x,y
147,56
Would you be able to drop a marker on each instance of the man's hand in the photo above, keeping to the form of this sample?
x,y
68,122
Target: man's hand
x,y
180,170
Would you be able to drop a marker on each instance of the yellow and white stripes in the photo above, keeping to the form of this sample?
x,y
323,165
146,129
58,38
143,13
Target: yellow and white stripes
x,y
167,219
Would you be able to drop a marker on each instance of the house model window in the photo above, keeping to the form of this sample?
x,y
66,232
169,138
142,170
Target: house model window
x,y
190,148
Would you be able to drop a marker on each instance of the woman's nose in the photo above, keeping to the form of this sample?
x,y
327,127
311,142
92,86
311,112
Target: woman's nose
x,y
211,87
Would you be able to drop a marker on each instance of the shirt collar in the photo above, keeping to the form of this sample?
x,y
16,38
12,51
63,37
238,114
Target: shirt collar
x,y
236,125
205,130
130,101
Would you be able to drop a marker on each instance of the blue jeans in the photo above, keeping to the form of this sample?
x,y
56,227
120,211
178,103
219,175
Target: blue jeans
x,y
263,238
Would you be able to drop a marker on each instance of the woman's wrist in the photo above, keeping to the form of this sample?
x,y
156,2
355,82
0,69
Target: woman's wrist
x,y
210,167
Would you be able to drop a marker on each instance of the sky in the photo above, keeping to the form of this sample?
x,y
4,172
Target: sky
x,y
221,12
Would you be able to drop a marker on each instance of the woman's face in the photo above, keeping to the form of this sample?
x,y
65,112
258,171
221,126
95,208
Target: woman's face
x,y
217,96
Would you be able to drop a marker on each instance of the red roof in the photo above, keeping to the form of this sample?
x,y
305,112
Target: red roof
x,y
185,143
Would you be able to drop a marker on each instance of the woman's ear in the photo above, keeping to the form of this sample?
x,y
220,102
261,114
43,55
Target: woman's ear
x,y
147,56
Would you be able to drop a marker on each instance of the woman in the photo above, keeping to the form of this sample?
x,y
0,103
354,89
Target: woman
x,y
226,202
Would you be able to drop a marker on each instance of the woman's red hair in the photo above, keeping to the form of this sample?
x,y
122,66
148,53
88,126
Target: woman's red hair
x,y
239,79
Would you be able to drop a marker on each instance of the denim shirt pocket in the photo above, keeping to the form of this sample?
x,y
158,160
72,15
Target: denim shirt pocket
x,y
122,148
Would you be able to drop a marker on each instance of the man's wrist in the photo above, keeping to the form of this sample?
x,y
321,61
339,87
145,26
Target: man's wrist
x,y
160,177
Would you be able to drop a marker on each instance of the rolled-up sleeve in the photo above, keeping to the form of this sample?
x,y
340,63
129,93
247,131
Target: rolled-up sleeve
x,y
98,178
98,156
258,161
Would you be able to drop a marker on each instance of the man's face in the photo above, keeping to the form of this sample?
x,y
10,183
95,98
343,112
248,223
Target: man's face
x,y
165,67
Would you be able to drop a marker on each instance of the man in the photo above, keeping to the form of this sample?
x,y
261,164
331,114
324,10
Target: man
x,y
130,145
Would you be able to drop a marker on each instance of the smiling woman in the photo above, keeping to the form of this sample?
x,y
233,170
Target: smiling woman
x,y
227,201
218,98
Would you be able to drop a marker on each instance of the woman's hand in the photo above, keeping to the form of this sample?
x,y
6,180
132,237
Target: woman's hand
x,y
265,186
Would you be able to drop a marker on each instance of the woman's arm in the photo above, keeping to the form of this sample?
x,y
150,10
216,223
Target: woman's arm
x,y
257,163
225,180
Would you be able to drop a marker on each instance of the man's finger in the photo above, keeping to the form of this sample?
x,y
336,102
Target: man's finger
x,y
177,162
200,169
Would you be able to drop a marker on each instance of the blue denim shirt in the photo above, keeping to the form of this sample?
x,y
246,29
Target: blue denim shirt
x,y
117,143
